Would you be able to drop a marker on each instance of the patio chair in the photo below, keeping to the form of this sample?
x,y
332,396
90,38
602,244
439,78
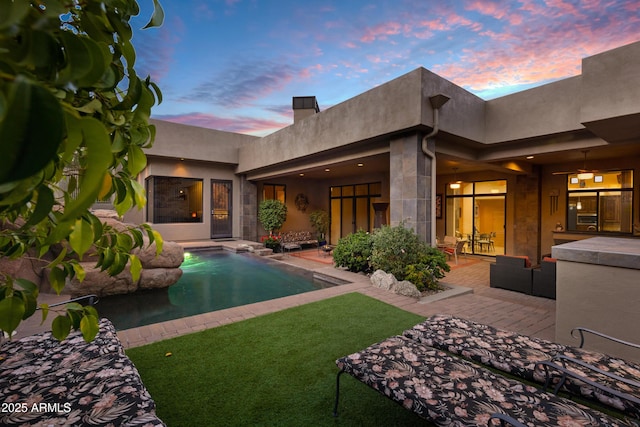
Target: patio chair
x,y
455,249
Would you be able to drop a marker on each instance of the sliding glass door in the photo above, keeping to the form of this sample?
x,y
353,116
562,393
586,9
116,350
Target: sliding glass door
x,y
476,213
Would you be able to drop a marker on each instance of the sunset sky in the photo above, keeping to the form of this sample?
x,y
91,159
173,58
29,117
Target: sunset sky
x,y
234,65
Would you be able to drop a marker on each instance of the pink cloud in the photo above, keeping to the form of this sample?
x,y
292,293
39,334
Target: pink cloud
x,y
381,31
245,125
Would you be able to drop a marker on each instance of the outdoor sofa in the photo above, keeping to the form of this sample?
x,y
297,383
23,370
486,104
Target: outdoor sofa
x,y
435,370
511,272
296,239
544,279
72,383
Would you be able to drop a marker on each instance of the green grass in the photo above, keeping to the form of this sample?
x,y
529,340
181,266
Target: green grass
x,y
278,369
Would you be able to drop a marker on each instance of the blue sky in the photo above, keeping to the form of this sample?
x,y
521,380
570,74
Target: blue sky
x,y
234,65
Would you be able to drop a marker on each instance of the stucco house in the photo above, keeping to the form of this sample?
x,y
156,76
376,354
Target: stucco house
x,y
557,157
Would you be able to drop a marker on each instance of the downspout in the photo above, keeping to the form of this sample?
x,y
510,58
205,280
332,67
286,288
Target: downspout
x,y
436,101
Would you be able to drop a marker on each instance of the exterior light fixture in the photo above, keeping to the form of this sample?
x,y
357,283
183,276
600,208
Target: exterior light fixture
x,y
327,170
301,174
455,184
529,157
360,165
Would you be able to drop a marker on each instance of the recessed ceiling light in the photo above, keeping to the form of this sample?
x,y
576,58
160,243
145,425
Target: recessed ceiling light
x,y
301,174
360,165
327,170
529,157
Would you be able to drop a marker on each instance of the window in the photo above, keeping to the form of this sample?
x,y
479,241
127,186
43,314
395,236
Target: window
x,y
173,199
602,203
274,191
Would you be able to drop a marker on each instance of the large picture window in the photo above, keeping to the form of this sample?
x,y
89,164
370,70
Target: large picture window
x,y
174,199
601,202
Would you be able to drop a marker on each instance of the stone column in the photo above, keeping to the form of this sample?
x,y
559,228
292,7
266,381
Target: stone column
x,y
248,210
410,186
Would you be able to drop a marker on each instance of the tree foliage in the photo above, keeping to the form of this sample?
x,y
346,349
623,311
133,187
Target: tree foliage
x,y
272,214
73,125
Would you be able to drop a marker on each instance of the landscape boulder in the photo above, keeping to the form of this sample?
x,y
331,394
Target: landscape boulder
x,y
159,271
388,282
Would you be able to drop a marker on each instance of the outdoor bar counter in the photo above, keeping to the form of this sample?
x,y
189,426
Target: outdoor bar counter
x,y
598,287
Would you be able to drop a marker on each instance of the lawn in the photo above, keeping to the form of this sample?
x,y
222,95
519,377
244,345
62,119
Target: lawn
x,y
278,369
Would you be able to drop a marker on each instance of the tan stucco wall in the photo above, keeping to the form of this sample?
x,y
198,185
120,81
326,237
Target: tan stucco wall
x,y
545,110
613,82
389,108
598,297
175,140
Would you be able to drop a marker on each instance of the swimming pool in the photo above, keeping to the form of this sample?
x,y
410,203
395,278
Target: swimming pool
x,y
212,280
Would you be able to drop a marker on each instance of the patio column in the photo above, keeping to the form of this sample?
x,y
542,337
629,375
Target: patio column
x,y
410,185
248,210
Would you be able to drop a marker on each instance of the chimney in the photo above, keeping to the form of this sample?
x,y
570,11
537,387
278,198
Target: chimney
x,y
304,106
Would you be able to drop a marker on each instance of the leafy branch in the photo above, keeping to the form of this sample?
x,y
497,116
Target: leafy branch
x,y
70,100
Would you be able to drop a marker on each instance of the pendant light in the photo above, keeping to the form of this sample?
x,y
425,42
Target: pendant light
x,y
455,185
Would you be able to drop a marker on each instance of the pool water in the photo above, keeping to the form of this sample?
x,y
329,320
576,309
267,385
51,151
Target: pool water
x,y
212,280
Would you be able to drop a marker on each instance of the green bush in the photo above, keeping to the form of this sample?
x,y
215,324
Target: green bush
x,y
429,269
394,248
354,251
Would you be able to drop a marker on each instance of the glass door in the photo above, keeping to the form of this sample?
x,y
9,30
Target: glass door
x,y
221,213
476,213
351,209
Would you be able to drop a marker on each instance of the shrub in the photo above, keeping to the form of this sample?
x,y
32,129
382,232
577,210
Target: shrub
x,y
273,243
429,269
399,251
394,248
354,251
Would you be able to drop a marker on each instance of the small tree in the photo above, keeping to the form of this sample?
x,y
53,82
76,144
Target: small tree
x,y
70,99
272,214
320,222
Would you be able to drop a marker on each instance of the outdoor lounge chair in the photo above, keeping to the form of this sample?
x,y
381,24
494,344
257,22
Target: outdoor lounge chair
x,y
605,379
79,382
450,391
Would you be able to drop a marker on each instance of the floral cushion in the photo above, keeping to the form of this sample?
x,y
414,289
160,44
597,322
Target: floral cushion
x,y
299,237
450,391
46,382
518,355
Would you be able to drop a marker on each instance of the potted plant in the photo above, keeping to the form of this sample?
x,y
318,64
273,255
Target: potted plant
x,y
272,214
320,222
